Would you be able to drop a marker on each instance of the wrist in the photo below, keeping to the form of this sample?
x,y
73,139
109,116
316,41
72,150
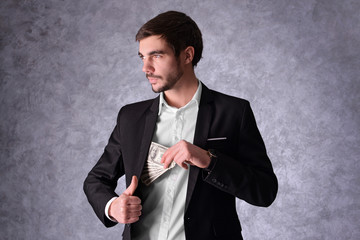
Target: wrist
x,y
213,158
108,208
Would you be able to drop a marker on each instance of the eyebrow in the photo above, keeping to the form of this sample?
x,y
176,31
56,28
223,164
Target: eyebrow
x,y
152,53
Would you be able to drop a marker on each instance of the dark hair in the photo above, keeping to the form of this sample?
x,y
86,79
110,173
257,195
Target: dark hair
x,y
179,31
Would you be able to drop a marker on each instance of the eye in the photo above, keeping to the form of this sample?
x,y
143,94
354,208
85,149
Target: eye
x,y
156,56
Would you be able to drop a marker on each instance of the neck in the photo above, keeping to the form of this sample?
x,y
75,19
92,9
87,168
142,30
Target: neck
x,y
183,91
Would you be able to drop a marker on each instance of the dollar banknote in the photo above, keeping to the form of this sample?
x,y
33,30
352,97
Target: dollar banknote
x,y
153,168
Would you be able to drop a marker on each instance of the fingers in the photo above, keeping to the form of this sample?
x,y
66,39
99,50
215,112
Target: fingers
x,y
177,153
129,209
133,185
168,156
130,220
180,160
129,200
184,153
126,209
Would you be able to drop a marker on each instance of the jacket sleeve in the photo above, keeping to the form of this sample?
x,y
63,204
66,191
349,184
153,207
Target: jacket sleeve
x,y
100,184
249,175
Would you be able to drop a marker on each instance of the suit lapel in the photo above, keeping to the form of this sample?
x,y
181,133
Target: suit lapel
x,y
201,133
150,123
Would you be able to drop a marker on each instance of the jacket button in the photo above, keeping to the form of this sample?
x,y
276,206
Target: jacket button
x,y
214,180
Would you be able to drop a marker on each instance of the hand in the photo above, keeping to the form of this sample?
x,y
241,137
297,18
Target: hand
x,y
126,208
184,152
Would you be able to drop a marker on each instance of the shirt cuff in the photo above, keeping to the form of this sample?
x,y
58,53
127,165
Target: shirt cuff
x,y
107,209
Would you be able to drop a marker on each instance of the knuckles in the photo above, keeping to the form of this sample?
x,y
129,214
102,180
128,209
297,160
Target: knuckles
x,y
123,200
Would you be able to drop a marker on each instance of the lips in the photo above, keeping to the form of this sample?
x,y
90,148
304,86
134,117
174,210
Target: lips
x,y
152,79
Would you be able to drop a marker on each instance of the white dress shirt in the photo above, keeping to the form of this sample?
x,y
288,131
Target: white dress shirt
x,y
163,201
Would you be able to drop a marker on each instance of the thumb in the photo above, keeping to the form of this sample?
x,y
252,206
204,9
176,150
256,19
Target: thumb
x,y
133,185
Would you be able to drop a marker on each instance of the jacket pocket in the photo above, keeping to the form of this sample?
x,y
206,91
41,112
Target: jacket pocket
x,y
217,143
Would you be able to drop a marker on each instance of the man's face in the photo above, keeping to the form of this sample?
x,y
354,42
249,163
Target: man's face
x,y
162,68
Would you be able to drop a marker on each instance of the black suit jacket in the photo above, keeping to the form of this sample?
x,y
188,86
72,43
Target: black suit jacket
x,y
242,169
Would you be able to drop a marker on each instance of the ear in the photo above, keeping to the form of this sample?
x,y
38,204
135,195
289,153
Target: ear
x,y
189,54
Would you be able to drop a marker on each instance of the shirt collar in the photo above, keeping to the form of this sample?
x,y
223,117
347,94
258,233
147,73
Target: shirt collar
x,y
195,98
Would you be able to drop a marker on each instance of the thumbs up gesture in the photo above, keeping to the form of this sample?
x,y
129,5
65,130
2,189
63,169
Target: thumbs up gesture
x,y
126,208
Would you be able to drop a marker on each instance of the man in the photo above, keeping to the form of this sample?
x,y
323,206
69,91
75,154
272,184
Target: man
x,y
212,138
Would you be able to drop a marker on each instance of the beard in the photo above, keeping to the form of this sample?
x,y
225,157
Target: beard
x,y
168,82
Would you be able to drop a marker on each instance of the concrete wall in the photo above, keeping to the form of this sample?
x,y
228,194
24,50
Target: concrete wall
x,y
66,67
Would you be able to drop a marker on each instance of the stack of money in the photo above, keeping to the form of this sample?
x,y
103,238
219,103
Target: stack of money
x,y
153,168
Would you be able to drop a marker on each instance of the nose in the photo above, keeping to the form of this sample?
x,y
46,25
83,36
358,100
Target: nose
x,y
147,67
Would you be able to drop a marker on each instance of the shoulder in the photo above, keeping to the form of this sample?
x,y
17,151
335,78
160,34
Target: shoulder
x,y
139,108
139,105
222,99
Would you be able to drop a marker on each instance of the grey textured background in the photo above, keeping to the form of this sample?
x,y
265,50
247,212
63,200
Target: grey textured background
x,y
66,68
